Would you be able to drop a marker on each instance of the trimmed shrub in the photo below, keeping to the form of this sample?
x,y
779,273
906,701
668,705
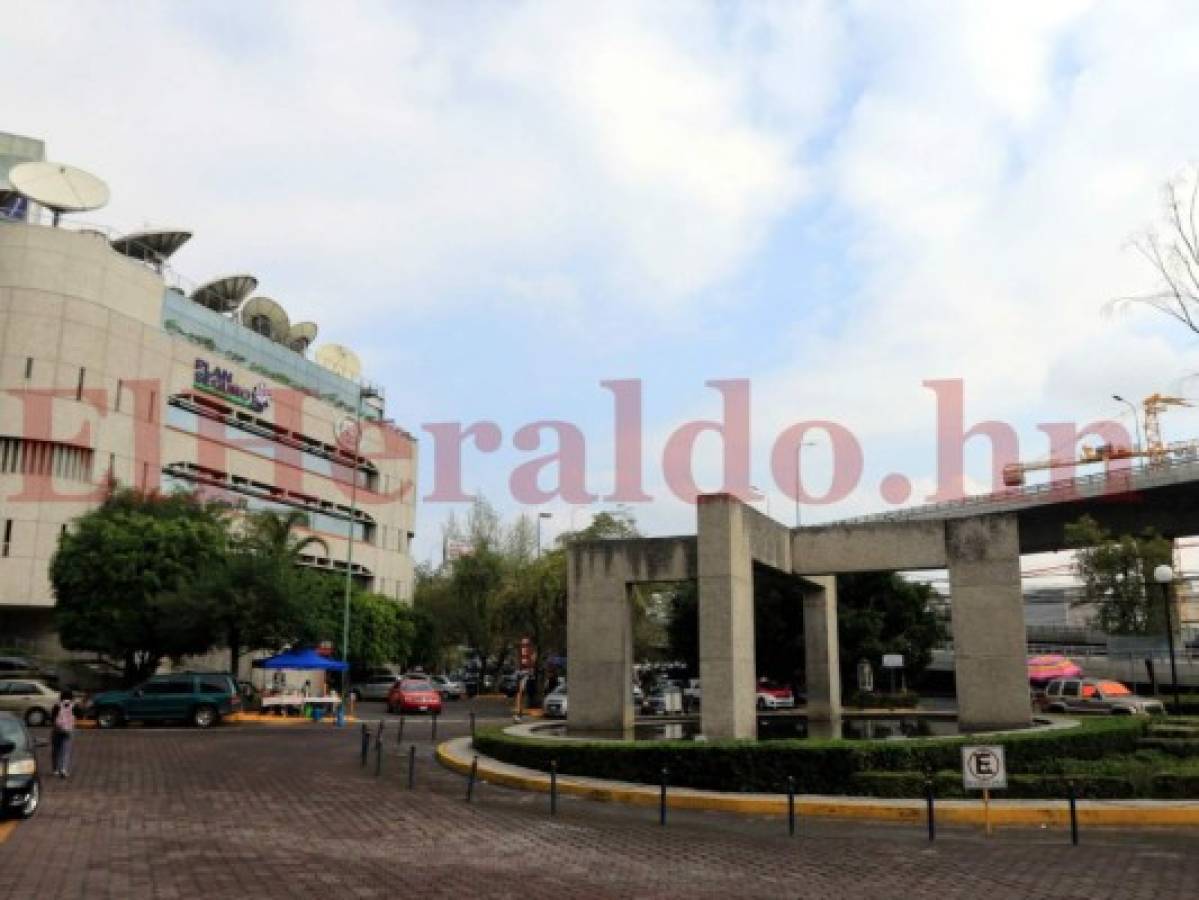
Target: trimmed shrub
x,y
1174,746
1175,786
819,767
948,786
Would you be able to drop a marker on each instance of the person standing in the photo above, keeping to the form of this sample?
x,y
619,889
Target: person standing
x,y
63,719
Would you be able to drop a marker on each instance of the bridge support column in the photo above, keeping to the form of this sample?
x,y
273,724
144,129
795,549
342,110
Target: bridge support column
x,y
600,641
822,671
726,621
987,605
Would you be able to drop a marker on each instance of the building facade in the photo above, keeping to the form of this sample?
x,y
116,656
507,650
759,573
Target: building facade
x,y
110,369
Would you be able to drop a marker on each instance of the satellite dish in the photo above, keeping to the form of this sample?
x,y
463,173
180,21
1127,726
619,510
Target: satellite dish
x,y
301,336
265,316
225,294
57,187
340,360
154,247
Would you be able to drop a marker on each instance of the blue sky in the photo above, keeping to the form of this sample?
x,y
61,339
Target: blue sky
x,y
500,206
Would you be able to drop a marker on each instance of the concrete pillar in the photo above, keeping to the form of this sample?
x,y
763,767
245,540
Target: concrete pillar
x,y
822,671
987,605
726,620
599,645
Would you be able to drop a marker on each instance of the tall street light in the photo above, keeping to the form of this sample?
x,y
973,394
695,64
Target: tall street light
x,y
351,442
540,516
1136,419
1164,575
798,450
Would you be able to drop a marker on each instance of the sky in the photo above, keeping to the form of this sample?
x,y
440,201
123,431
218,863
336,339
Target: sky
x,y
501,206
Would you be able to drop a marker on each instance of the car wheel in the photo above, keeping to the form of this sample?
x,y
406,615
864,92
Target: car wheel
x,y
1055,708
108,717
36,716
33,801
203,716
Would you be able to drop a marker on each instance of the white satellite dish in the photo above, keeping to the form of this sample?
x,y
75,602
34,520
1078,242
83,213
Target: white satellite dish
x,y
58,187
301,336
266,317
225,294
340,360
154,247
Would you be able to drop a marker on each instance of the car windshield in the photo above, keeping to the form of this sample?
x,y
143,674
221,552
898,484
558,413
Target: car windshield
x,y
415,686
12,732
1114,689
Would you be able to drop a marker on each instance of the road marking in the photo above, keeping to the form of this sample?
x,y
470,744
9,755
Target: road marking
x,y
6,830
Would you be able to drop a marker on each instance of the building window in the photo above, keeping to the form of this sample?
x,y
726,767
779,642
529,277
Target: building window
x,y
153,403
116,403
79,384
28,367
7,542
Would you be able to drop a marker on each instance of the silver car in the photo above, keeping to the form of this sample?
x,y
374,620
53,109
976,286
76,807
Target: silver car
x,y
376,687
449,688
1096,695
554,705
29,699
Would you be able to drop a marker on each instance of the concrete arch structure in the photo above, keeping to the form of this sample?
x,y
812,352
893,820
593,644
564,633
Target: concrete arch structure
x,y
982,555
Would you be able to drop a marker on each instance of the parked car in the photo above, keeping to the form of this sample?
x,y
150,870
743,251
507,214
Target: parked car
x,y
410,695
18,667
449,688
31,700
21,792
376,687
1096,695
772,695
201,698
554,705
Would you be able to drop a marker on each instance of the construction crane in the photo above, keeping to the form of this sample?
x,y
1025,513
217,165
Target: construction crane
x,y
1155,451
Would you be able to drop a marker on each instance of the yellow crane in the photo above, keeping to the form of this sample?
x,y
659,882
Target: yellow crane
x,y
1156,451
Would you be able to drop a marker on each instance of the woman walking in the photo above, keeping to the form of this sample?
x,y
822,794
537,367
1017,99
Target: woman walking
x,y
63,717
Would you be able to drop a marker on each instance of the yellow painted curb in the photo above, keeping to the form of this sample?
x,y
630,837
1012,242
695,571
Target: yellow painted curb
x,y
1015,813
6,830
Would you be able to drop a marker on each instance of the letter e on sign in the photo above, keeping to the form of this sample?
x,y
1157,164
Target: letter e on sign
x,y
983,768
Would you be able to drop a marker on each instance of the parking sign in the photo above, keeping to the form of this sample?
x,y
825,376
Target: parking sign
x,y
983,768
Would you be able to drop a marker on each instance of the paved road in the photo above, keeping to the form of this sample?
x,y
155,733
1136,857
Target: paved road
x,y
287,812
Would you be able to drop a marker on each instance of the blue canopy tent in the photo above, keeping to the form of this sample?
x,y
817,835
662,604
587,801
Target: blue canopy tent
x,y
302,659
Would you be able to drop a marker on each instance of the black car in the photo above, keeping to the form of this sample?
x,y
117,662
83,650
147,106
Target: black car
x,y
21,791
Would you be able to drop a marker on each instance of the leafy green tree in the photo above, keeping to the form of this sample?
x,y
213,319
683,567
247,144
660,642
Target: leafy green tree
x,y
381,629
1115,572
118,573
533,605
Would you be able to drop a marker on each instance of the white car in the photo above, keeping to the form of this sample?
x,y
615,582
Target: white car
x,y
374,688
554,705
449,688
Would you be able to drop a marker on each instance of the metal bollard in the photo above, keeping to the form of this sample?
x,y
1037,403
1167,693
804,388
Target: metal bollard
x,y
662,798
470,781
553,787
1073,794
434,738
791,806
472,726
379,756
932,821
366,744
411,766
400,737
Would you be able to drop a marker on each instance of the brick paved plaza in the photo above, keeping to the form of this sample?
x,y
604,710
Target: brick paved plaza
x,y
288,812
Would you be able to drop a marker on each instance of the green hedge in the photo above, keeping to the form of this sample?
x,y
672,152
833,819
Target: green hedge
x,y
1176,786
948,785
819,767
1173,746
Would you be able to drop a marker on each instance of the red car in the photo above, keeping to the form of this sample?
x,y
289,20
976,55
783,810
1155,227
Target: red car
x,y
410,695
772,695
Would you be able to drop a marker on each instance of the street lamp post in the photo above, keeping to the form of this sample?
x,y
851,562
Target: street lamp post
x,y
798,450
540,516
1164,575
364,391
1135,418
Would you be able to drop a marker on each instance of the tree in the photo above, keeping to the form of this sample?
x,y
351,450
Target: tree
x,y
1115,572
118,577
605,525
534,606
1172,249
254,596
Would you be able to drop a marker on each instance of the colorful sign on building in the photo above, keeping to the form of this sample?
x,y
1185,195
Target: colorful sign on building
x,y
220,381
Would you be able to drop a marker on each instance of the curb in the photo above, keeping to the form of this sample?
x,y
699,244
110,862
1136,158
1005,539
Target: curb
x,y
456,755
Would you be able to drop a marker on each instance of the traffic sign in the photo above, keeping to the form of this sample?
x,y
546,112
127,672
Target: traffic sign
x,y
983,768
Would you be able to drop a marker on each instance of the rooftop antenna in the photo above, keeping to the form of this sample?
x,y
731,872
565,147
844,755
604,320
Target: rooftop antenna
x,y
266,317
153,247
58,187
225,294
